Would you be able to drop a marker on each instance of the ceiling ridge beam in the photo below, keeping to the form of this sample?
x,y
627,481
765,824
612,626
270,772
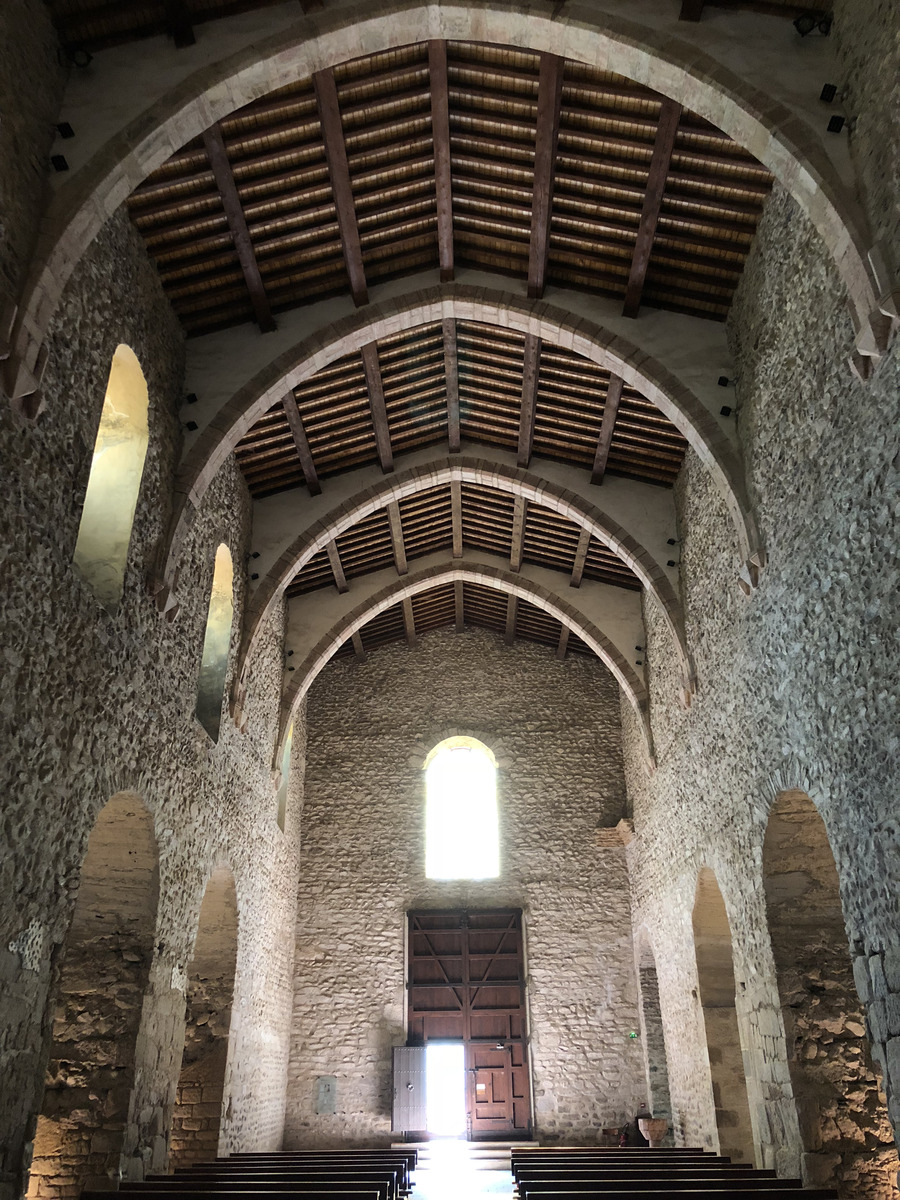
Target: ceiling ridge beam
x,y
669,116
610,412
517,544
512,611
440,131
456,517
459,609
584,542
451,377
339,174
550,81
409,623
337,567
377,407
399,546
563,644
301,443
530,371
214,143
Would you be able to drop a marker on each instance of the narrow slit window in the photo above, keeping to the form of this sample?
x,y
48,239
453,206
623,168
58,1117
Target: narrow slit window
x,y
107,517
462,839
285,777
216,644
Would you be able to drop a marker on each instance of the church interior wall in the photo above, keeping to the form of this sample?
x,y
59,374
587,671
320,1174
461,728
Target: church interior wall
x,y
554,727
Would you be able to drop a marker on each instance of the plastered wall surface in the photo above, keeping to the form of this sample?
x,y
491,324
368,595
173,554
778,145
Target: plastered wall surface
x,y
123,695
796,688
554,729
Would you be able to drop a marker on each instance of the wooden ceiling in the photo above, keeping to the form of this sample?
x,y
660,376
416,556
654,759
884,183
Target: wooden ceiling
x,y
451,154
462,605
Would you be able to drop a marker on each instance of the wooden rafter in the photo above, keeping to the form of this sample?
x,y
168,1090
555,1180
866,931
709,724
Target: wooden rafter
x,y
440,131
451,376
669,116
409,622
517,544
339,174
563,643
214,142
512,609
358,648
610,412
337,567
584,542
459,610
530,369
456,517
397,543
548,109
301,442
377,407
178,23
691,10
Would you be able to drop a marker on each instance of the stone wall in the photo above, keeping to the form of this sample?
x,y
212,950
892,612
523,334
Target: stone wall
x,y
796,687
554,728
122,719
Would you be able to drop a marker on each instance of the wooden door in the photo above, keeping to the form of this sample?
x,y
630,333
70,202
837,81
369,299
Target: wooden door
x,y
467,983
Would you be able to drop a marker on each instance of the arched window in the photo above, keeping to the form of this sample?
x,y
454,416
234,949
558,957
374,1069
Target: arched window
x,y
461,829
216,644
101,551
285,777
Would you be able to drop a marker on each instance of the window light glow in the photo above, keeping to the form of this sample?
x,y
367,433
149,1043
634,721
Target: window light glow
x,y
216,644
445,1088
461,823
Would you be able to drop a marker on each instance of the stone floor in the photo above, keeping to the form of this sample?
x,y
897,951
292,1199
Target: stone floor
x,y
458,1170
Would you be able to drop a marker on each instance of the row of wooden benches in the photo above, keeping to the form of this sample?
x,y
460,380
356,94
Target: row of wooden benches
x,y
564,1173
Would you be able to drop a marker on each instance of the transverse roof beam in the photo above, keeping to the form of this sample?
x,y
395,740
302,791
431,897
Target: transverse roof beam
x,y
550,83
563,644
337,567
512,609
178,24
610,412
691,10
456,517
377,406
397,542
451,377
409,623
529,397
440,131
301,443
669,116
584,542
358,647
214,142
339,174
517,546
459,611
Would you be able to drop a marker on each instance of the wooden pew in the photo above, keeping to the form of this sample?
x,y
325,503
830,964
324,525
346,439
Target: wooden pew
x,y
693,1184
774,1191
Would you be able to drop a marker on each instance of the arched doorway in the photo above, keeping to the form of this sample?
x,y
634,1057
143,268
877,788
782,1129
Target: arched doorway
x,y
197,1120
106,963
844,1126
715,974
656,1061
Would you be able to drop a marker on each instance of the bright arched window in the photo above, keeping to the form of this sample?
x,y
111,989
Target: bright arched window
x,y
101,551
462,839
216,644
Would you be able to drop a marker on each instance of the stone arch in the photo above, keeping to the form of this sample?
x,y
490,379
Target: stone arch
x,y
717,993
488,474
844,1127
780,139
199,1098
504,581
656,1060
103,977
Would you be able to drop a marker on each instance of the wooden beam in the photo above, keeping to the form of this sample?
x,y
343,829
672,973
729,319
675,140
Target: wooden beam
x,y
520,510
178,23
451,378
301,443
512,609
530,369
409,623
339,174
563,644
440,132
456,517
358,647
584,542
669,116
214,142
377,406
459,611
610,412
550,83
691,10
337,567
396,524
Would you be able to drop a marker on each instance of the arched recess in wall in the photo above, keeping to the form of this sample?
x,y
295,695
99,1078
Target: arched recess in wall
x,y
199,1098
715,974
844,1125
104,973
216,644
114,483
656,1061
462,832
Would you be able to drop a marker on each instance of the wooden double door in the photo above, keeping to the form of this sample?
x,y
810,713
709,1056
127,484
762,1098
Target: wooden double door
x,y
467,984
